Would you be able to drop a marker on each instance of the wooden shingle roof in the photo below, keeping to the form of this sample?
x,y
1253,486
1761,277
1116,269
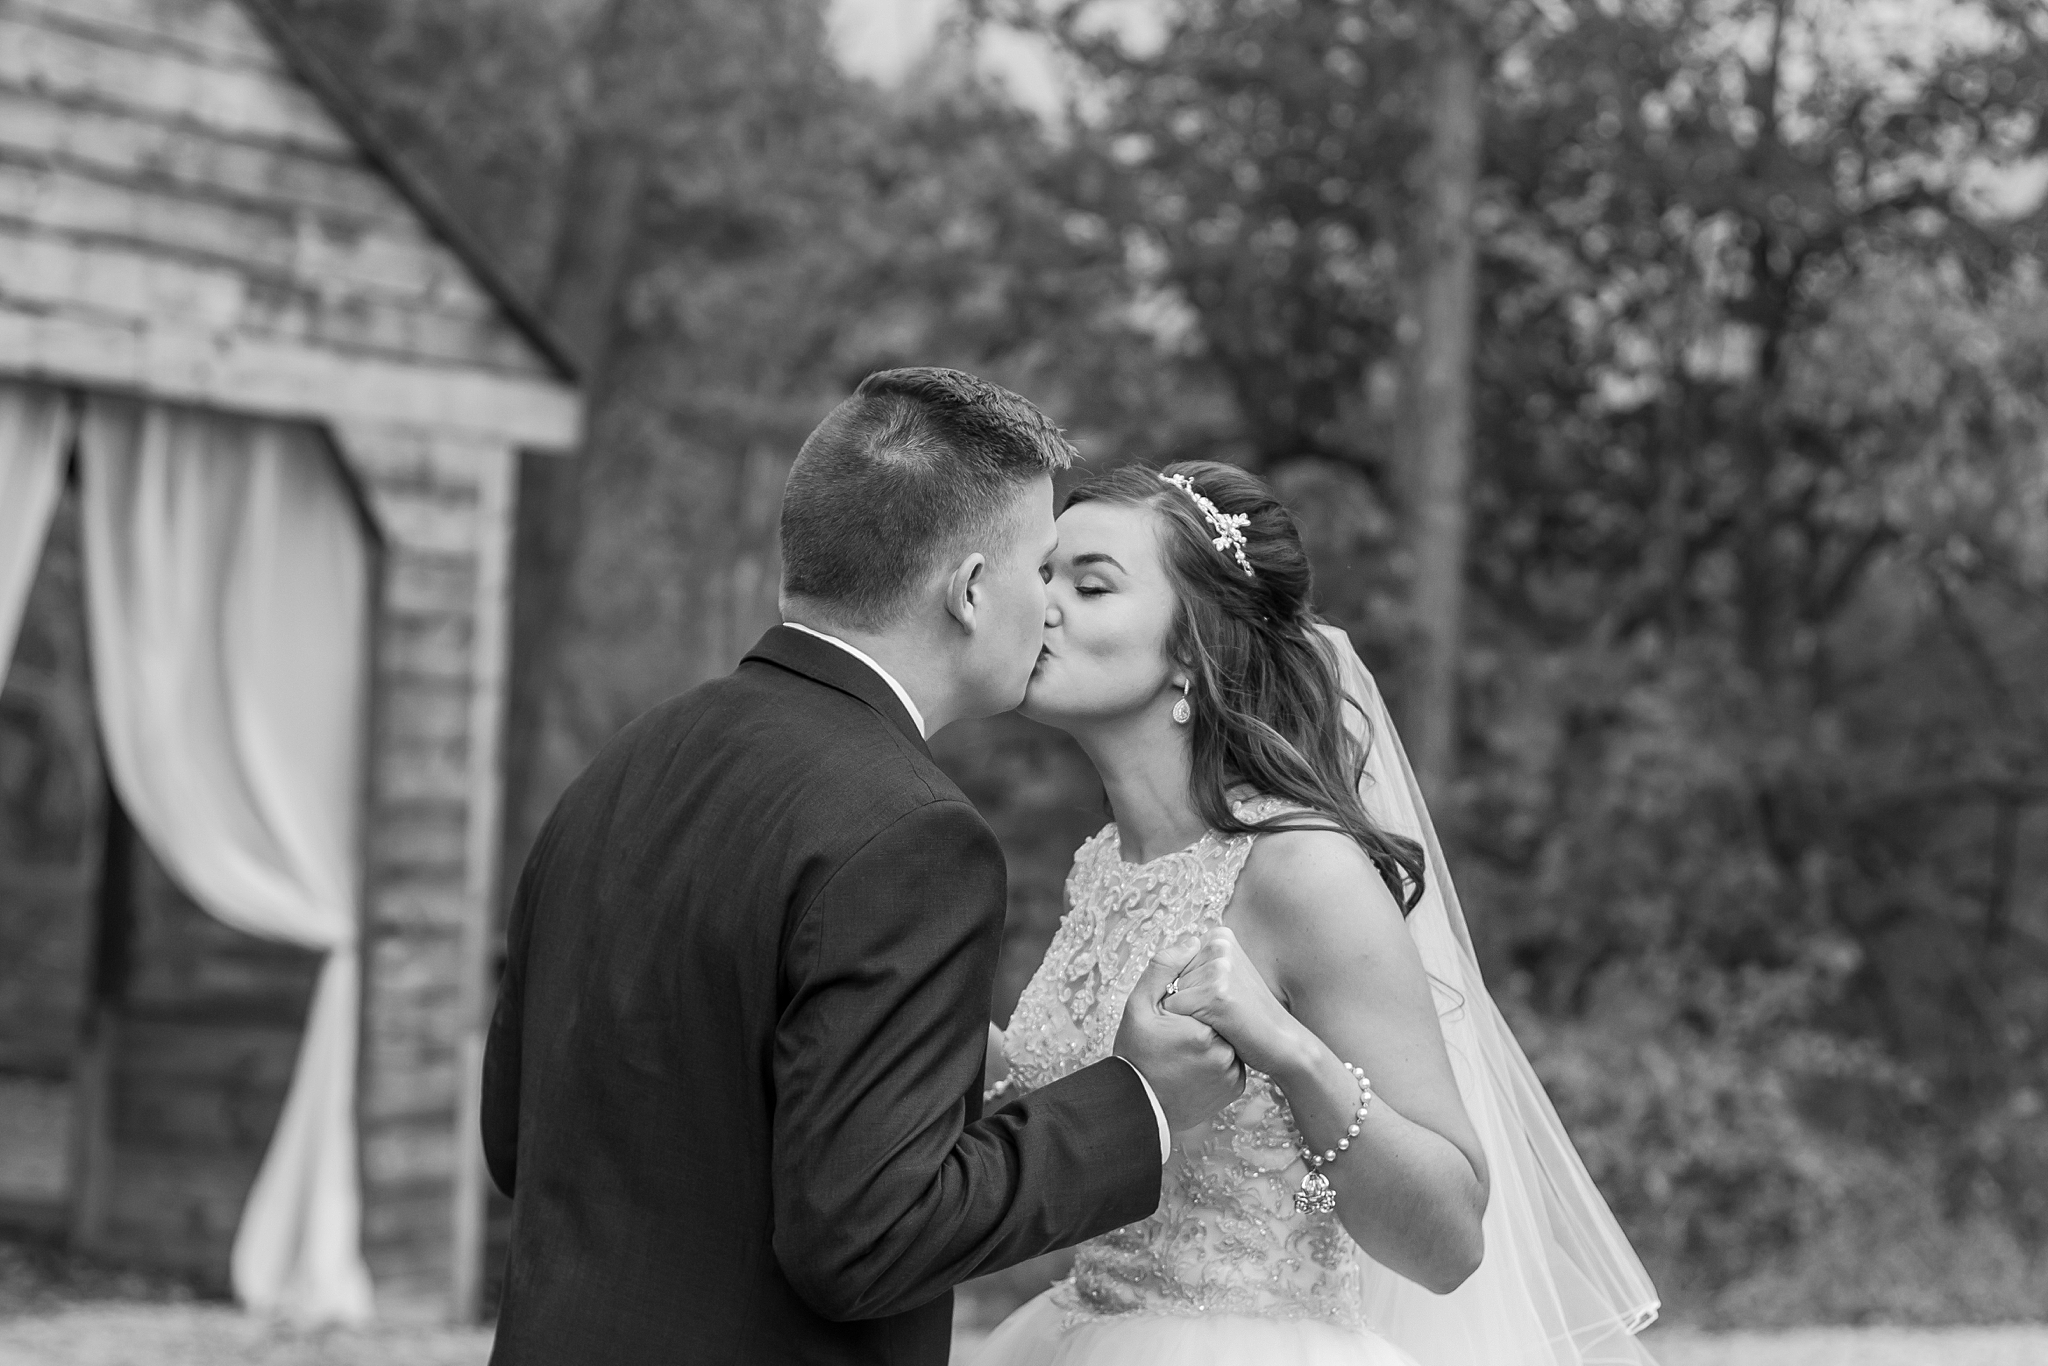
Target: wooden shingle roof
x,y
350,113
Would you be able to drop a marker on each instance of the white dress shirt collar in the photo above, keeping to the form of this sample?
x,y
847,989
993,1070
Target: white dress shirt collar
x,y
864,657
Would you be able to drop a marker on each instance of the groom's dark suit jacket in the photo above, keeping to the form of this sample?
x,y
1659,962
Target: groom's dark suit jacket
x,y
733,1085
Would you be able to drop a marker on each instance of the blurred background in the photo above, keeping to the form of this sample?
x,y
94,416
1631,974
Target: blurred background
x,y
1663,390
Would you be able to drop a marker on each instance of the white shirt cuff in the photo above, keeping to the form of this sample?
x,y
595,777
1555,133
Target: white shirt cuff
x,y
1158,1112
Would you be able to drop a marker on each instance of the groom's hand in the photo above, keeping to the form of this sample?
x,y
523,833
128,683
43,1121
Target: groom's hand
x,y
1191,1069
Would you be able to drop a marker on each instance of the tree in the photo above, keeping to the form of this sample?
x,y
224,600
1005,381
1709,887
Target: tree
x,y
1443,256
1710,529
1716,564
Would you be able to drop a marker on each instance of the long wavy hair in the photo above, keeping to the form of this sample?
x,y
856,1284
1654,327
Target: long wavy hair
x,y
1267,697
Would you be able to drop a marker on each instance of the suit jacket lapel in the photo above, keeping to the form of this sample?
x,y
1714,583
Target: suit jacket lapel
x,y
825,663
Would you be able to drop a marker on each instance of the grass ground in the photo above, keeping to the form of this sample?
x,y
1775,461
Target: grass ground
x,y
114,1333
56,1311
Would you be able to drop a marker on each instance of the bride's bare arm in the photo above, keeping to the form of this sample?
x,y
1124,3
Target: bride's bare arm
x,y
1312,917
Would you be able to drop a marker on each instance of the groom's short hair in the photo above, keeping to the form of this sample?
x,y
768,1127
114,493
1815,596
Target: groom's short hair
x,y
910,468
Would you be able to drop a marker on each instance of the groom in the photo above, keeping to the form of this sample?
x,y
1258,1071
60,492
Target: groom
x,y
734,1081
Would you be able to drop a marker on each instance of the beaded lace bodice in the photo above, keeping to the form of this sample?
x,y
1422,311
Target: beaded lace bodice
x,y
1226,1238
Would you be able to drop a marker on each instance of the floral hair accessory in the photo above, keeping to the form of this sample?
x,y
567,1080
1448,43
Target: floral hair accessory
x,y
1228,526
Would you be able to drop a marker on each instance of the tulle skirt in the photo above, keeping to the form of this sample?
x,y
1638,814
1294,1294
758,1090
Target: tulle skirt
x,y
1036,1335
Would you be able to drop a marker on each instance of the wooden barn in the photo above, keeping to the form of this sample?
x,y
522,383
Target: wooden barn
x,y
263,408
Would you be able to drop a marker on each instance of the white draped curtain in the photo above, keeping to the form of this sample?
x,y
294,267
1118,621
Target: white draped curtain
x,y
227,598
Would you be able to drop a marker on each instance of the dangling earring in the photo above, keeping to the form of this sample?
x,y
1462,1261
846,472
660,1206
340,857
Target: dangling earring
x,y
1182,712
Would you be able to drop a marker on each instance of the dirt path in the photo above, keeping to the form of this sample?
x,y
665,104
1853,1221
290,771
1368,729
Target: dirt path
x,y
219,1335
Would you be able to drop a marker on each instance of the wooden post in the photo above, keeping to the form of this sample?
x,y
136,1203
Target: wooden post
x,y
497,491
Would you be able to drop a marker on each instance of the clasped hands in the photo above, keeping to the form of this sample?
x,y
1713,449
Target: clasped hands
x,y
1200,1015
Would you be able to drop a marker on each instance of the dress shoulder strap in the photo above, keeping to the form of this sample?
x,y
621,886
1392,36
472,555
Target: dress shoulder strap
x,y
1260,806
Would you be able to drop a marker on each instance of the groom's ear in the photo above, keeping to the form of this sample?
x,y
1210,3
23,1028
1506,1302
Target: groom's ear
x,y
964,588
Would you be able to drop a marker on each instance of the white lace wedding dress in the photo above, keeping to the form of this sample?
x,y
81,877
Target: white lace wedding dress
x,y
1226,1270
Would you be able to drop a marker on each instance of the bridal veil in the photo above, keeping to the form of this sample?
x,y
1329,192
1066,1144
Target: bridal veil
x,y
1559,1284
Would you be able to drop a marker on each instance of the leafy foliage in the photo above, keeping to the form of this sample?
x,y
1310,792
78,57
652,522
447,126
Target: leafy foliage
x,y
1776,791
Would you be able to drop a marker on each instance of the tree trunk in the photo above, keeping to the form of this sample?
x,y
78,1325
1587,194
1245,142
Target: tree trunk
x,y
601,202
1438,394
602,194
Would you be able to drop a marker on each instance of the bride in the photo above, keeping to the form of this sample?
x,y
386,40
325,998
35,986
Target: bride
x,y
1393,1188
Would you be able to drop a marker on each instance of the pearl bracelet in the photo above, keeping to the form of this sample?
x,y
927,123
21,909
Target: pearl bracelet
x,y
1315,1195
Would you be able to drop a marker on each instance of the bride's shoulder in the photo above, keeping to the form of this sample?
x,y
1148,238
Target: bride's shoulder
x,y
1311,906
1310,889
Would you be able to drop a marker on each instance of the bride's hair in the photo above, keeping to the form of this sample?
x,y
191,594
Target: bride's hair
x,y
1268,700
